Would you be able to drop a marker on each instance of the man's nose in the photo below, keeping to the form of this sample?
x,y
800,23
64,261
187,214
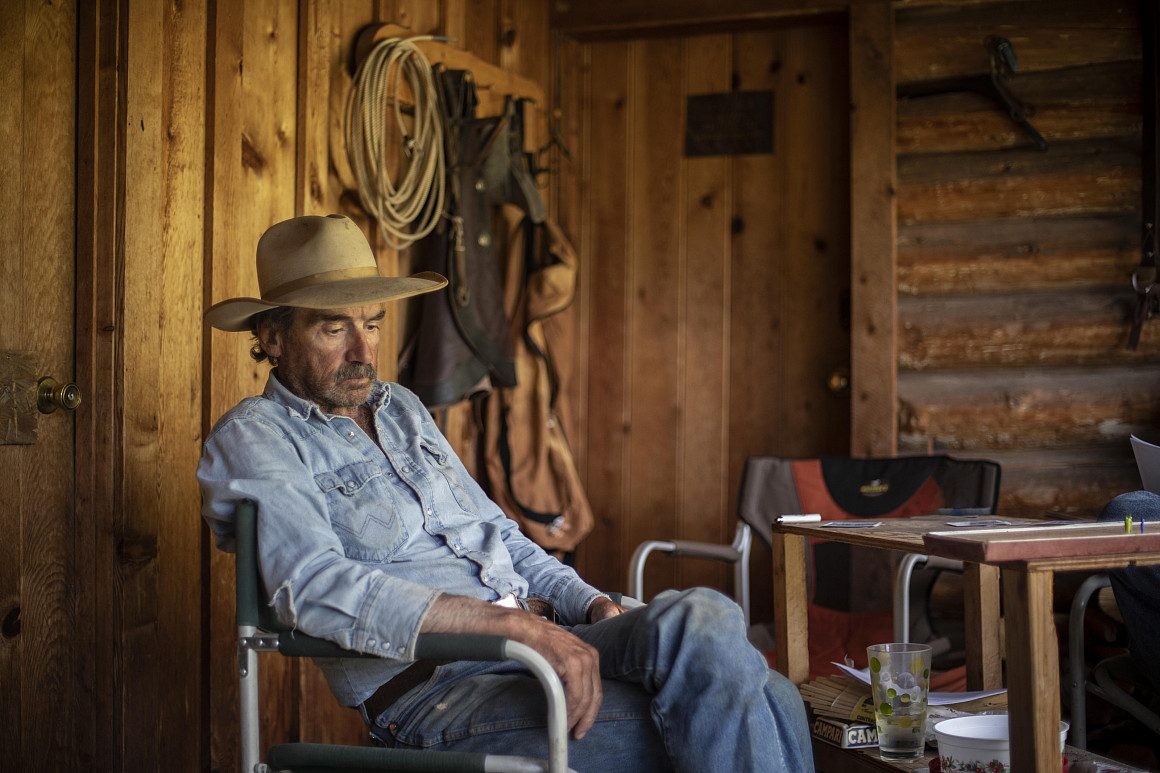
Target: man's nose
x,y
360,348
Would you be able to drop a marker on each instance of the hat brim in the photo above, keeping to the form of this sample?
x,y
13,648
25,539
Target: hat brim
x,y
233,315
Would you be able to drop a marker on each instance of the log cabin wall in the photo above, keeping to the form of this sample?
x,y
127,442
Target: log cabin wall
x,y
1014,264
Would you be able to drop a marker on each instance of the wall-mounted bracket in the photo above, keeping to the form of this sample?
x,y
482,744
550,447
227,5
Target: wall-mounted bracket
x,y
993,86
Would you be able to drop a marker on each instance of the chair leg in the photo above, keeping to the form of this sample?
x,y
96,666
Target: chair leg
x,y
248,699
1077,736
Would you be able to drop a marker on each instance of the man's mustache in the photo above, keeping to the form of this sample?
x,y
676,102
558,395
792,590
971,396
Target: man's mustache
x,y
354,370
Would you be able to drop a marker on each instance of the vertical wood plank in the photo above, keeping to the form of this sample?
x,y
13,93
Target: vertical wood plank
x,y
12,650
565,203
705,273
605,256
138,520
1032,669
981,627
873,246
177,269
40,481
315,63
224,357
656,183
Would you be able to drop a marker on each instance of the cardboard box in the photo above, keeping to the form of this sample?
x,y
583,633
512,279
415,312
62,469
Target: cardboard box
x,y
847,735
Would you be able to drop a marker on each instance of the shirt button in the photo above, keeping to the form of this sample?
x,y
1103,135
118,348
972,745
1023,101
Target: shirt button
x,y
429,511
371,642
350,434
386,645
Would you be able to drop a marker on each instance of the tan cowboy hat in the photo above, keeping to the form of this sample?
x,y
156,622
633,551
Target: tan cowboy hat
x,y
317,262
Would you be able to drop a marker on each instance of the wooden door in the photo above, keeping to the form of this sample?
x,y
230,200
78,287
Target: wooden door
x,y
42,645
714,302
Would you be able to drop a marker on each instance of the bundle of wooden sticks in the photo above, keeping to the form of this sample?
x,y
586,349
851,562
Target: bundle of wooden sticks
x,y
839,697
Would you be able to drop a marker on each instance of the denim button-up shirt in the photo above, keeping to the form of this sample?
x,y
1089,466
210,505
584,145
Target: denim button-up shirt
x,y
354,542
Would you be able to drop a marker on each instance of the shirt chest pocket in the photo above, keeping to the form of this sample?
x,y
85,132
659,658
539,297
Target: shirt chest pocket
x,y
444,474
362,512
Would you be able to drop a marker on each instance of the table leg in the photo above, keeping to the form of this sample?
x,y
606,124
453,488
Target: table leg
x,y
790,619
981,620
1032,671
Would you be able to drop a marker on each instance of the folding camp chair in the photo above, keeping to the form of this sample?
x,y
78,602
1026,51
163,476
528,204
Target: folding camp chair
x,y
260,631
850,587
1107,675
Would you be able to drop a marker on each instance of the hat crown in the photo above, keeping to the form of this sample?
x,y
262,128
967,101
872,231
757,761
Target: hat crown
x,y
310,246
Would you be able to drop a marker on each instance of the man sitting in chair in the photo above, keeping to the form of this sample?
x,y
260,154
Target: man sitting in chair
x,y
370,531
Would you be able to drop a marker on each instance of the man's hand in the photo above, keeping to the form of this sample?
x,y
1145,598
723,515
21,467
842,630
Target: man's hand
x,y
602,609
576,663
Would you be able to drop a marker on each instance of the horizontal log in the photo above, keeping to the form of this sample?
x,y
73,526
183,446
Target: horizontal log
x,y
1098,176
1062,483
1022,330
1018,255
1043,407
947,40
1074,103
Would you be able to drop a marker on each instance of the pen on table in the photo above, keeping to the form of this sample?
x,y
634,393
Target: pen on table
x,y
806,518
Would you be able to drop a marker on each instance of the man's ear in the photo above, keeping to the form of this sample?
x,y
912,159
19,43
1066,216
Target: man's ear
x,y
270,337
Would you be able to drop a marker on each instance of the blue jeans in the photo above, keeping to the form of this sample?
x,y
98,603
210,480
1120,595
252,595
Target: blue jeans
x,y
683,690
1137,588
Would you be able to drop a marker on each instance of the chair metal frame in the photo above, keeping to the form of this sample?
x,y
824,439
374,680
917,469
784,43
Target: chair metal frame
x,y
1103,681
259,631
738,554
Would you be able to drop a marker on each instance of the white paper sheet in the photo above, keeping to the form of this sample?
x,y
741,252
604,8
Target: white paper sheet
x,y
932,699
1148,460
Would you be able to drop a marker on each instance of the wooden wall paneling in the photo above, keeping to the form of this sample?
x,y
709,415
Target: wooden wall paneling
x,y
422,17
1031,253
1074,178
1073,327
38,611
605,258
12,649
873,237
178,268
814,173
703,495
758,345
593,18
655,327
566,114
318,57
1046,35
99,166
138,523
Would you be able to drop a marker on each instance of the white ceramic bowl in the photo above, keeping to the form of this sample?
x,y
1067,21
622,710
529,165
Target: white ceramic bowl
x,y
979,743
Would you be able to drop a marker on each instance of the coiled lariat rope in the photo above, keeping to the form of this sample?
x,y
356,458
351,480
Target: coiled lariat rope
x,y
410,211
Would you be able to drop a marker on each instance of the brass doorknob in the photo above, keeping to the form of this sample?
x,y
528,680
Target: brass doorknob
x,y
50,395
839,381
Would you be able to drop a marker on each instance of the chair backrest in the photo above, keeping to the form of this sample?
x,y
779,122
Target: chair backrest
x,y
252,608
851,588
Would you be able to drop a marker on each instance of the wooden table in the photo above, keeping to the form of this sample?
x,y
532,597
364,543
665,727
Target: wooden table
x,y
1024,557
